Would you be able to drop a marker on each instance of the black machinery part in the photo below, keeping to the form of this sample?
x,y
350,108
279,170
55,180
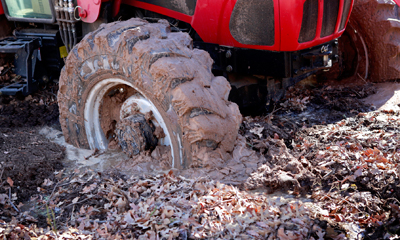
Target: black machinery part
x,y
269,63
25,52
51,62
37,59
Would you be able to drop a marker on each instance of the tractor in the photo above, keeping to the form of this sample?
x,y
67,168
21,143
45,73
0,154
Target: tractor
x,y
137,74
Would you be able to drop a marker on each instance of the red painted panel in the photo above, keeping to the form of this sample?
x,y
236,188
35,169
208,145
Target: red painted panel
x,y
397,2
116,6
158,9
1,9
211,22
291,14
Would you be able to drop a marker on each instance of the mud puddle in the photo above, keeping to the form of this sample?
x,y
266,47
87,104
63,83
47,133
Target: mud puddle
x,y
76,158
234,171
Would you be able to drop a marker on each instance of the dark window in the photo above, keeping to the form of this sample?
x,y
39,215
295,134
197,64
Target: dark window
x,y
309,22
346,10
331,10
252,22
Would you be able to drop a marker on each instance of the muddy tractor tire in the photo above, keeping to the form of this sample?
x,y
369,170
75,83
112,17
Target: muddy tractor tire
x,y
135,67
375,29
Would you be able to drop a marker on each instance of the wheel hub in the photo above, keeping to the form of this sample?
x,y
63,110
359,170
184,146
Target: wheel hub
x,y
135,130
135,134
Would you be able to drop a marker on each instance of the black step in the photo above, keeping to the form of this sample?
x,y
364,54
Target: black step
x,y
12,45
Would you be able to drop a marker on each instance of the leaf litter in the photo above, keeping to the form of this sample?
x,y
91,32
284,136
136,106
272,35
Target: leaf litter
x,y
326,169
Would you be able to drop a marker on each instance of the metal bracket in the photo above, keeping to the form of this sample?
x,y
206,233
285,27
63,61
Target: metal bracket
x,y
26,52
91,8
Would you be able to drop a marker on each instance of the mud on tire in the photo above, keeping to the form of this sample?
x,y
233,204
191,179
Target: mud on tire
x,y
378,23
160,65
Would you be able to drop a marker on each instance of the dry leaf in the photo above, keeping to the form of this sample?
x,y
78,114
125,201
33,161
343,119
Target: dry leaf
x,y
89,188
10,181
257,131
47,183
3,198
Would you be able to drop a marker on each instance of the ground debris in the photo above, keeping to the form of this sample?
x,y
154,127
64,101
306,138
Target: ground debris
x,y
339,153
326,169
105,206
281,171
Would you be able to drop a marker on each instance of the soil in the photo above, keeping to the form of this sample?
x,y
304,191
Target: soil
x,y
34,110
27,158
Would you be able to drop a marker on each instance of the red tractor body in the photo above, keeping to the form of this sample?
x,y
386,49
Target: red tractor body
x,y
218,21
282,39
1,9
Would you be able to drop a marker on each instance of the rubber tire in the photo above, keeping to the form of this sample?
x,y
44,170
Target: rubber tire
x,y
378,23
163,66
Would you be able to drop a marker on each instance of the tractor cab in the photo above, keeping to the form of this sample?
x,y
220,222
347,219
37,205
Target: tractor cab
x,y
29,10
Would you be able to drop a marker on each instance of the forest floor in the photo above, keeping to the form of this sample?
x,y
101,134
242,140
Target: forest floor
x,y
324,164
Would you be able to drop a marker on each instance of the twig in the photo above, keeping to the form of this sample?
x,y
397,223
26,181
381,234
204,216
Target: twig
x,y
93,154
1,175
77,202
9,197
4,72
356,93
269,116
72,218
176,190
365,81
392,199
51,195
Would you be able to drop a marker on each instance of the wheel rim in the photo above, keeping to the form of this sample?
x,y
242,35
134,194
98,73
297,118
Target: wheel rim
x,y
94,132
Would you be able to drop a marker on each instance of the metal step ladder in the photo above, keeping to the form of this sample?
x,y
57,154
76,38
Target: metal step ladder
x,y
25,51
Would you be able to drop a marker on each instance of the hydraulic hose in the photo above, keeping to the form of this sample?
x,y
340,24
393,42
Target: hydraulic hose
x,y
59,16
